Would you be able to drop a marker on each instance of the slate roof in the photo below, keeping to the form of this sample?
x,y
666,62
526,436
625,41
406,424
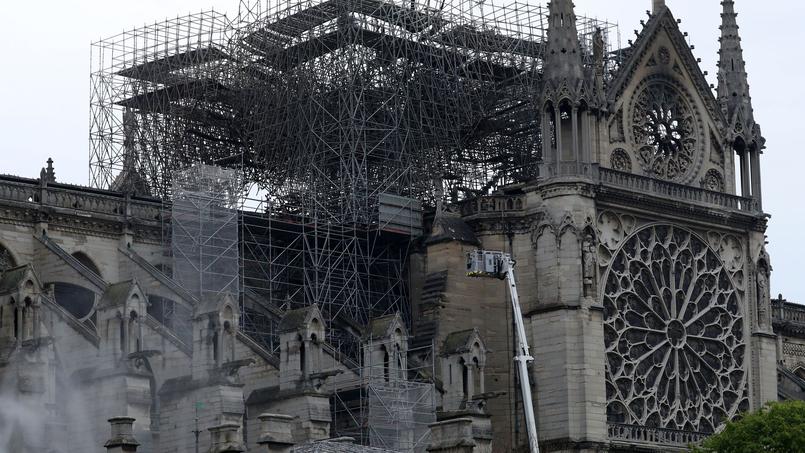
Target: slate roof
x,y
457,341
293,320
10,279
344,445
379,326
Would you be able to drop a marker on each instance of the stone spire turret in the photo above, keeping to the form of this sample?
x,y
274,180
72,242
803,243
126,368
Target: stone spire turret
x,y
563,57
742,132
568,94
657,6
733,84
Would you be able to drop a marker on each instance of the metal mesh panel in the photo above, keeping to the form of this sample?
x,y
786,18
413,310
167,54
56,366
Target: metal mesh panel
x,y
204,222
400,412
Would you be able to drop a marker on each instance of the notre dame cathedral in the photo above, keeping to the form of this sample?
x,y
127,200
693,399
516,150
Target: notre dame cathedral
x,y
384,141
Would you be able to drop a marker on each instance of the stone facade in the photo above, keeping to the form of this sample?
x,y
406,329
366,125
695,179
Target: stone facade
x,y
77,349
642,272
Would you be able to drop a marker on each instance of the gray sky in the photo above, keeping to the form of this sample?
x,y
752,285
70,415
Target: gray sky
x,y
44,87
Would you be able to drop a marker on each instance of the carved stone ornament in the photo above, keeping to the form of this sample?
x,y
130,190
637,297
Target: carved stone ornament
x,y
616,132
664,55
664,128
673,334
620,160
713,181
589,264
763,297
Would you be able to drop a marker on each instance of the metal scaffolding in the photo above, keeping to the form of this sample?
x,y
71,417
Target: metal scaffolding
x,y
204,223
343,119
388,410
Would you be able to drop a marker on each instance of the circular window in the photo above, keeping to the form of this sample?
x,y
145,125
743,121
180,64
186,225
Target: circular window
x,y
673,333
664,131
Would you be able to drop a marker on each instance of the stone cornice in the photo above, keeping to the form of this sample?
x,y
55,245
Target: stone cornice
x,y
680,210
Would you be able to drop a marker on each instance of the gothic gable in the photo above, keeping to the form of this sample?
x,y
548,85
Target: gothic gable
x,y
666,121
662,31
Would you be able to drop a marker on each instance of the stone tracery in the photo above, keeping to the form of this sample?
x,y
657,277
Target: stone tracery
x,y
673,334
664,129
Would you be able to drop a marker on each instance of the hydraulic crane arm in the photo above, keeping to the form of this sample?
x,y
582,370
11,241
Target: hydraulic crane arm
x,y
501,265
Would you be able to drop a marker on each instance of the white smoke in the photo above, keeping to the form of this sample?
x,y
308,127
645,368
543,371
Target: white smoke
x,y
21,426
37,423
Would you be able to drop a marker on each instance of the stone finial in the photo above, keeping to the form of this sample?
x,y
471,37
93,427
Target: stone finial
x,y
47,175
122,439
563,59
276,433
49,172
225,438
657,6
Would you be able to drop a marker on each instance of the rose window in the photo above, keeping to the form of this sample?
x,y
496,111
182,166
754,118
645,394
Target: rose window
x,y
674,334
664,131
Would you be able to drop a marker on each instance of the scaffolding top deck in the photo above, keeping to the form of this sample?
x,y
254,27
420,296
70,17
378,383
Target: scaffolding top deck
x,y
344,99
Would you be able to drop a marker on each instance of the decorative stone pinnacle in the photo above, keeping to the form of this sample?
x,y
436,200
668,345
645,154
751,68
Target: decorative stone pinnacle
x,y
563,60
48,174
733,83
122,435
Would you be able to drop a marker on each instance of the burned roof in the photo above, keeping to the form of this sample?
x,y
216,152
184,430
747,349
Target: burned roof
x,y
448,228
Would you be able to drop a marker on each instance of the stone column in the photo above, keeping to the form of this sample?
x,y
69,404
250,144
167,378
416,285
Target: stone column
x,y
756,191
276,434
36,316
746,191
547,147
122,440
558,122
481,382
587,137
574,117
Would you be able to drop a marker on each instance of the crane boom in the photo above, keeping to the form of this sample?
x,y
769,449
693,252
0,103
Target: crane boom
x,y
501,265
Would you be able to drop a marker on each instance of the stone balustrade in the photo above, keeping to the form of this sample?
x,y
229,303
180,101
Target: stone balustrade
x,y
788,312
653,436
651,186
493,203
788,318
82,200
